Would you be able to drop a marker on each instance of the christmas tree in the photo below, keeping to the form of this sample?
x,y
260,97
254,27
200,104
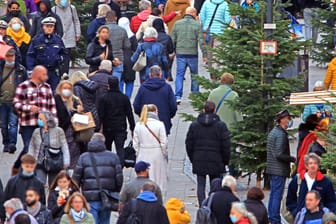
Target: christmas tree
x,y
262,93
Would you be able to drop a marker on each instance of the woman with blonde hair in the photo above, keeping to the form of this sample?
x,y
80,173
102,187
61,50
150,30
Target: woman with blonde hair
x,y
150,142
17,32
240,215
67,104
76,210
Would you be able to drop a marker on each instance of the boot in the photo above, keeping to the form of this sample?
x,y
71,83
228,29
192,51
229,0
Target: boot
x,y
14,171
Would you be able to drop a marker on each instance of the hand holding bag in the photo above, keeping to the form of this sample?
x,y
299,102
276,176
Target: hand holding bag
x,y
84,126
141,62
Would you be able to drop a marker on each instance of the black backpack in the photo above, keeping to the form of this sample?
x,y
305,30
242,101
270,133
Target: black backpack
x,y
130,156
132,218
204,214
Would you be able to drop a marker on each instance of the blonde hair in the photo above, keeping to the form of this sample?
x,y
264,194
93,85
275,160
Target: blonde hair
x,y
102,10
70,101
144,113
67,207
78,76
15,20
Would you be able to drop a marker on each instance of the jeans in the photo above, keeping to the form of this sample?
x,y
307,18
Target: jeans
x,y
276,193
127,88
26,134
117,72
8,124
42,175
310,31
100,215
181,67
201,182
53,79
119,140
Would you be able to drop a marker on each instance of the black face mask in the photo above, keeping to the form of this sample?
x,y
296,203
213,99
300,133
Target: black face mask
x,y
15,13
33,202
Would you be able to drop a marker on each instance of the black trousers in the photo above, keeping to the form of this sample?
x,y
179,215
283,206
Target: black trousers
x,y
119,139
201,182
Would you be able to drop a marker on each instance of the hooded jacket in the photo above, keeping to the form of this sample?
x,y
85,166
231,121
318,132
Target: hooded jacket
x,y
258,209
173,207
175,5
37,20
330,76
157,91
300,217
208,145
19,212
101,77
148,210
138,19
93,27
108,169
163,37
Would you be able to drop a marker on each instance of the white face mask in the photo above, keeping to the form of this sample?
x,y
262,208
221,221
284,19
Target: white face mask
x,y
66,92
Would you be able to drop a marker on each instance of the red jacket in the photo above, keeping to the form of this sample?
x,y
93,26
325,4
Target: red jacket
x,y
307,141
169,17
138,19
244,221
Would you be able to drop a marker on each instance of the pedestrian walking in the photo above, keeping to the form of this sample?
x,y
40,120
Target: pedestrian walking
x,y
114,6
9,41
175,6
97,22
329,218
14,208
36,209
145,8
240,215
254,204
13,11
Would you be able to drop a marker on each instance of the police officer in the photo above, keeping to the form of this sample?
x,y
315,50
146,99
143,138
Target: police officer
x,y
9,41
47,49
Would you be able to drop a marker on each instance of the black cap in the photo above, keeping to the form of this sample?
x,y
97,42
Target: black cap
x,y
282,114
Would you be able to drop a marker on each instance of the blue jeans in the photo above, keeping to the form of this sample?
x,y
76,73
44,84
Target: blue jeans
x,y
127,88
26,134
100,215
8,124
181,67
276,193
53,79
117,72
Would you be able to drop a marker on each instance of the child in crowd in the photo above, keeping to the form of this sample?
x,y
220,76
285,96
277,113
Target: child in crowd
x,y
176,211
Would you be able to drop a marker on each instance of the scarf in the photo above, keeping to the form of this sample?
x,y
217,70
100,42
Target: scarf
x,y
36,210
153,115
77,216
19,37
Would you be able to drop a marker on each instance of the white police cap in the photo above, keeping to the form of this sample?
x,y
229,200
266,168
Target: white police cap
x,y
49,21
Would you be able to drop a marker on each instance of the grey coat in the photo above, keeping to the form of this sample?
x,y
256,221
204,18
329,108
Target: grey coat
x,y
70,22
119,40
57,140
278,153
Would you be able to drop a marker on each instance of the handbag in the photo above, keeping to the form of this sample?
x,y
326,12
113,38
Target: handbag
x,y
206,34
130,155
141,62
52,161
83,125
110,200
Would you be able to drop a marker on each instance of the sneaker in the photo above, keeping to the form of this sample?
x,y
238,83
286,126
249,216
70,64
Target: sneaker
x,y
5,148
178,101
11,148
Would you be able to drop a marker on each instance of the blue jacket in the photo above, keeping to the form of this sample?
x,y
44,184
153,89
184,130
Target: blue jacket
x,y
299,219
255,5
222,16
322,184
9,41
93,27
157,91
313,108
46,50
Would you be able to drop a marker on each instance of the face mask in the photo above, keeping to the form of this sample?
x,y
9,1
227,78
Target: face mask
x,y
16,26
40,123
9,64
24,173
66,92
7,215
233,218
64,3
33,202
290,123
15,13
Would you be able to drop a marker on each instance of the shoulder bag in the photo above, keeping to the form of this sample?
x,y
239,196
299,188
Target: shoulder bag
x,y
152,133
206,34
110,200
204,213
141,62
222,99
286,214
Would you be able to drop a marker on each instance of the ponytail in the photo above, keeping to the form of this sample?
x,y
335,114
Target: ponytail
x,y
143,115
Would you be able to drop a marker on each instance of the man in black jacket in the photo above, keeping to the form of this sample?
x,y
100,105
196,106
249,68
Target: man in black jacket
x,y
208,147
35,208
114,107
107,169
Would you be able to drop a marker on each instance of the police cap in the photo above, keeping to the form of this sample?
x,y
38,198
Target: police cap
x,y
49,21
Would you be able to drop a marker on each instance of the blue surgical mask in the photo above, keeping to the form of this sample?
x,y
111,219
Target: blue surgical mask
x,y
16,26
64,3
10,64
233,218
290,123
40,123
24,173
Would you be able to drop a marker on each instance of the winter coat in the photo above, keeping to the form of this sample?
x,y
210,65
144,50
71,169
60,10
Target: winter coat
x,y
37,20
63,115
93,27
148,210
175,216
88,219
114,6
330,77
278,153
317,149
46,50
221,205
11,219
314,108
9,41
70,23
108,169
148,23
304,130
163,37
86,91
25,21
156,91
243,220
119,40
155,54
322,184
31,7
175,5
258,209
43,216
138,19
221,18
20,73
100,77
187,35
254,5
93,52
208,145
300,217
226,113
114,107
57,140
128,73
17,185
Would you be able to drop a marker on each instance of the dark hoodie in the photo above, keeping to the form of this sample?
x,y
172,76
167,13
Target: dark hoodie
x,y
156,91
37,21
163,38
208,145
108,169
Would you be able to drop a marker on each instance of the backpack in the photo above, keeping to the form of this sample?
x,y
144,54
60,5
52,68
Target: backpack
x,y
204,214
130,155
132,218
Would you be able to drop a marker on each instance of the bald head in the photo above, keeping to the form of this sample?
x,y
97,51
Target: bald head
x,y
39,74
191,11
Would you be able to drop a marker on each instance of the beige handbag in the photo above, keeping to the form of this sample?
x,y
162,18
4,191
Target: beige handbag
x,y
141,63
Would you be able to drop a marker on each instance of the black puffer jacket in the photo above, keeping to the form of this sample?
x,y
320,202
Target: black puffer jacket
x,y
108,168
86,91
128,73
101,79
208,145
317,148
258,209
